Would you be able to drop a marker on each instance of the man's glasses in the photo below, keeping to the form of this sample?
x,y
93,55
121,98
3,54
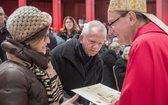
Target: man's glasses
x,y
110,25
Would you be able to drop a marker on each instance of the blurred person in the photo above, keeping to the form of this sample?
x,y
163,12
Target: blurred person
x,y
119,68
2,17
77,61
115,46
54,40
59,40
109,58
3,33
104,46
146,79
115,39
69,29
27,77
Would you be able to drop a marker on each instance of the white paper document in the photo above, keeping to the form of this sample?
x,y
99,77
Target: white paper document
x,y
98,94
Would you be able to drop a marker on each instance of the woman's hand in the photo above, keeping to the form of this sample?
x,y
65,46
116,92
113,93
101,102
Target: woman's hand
x,y
71,100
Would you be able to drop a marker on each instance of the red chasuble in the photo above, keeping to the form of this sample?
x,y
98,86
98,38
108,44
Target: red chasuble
x,y
146,81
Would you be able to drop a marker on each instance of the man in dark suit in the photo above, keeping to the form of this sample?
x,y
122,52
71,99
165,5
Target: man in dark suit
x,y
77,61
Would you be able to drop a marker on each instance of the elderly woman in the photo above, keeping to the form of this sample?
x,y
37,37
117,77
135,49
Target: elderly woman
x,y
27,77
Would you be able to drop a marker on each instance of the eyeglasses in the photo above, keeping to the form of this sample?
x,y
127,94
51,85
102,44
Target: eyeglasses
x,y
69,22
110,25
46,37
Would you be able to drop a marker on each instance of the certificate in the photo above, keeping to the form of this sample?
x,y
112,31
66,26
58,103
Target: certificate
x,y
98,94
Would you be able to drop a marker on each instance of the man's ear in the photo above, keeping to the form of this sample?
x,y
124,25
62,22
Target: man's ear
x,y
132,17
81,38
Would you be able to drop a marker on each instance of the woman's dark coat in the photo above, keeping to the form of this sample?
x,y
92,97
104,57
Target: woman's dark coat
x,y
18,84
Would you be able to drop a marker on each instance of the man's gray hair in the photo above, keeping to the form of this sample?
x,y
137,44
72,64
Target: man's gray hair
x,y
94,26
